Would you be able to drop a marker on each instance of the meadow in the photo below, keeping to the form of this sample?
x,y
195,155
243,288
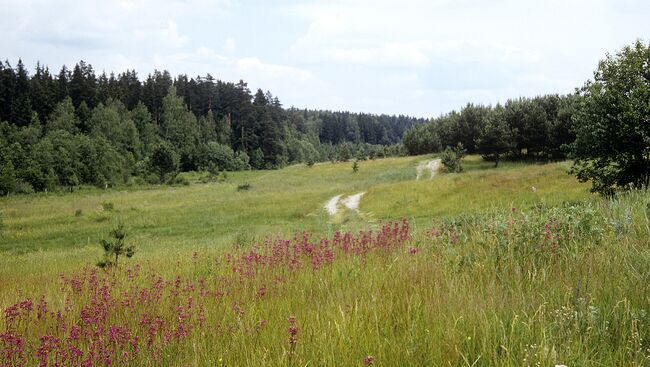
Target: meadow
x,y
466,269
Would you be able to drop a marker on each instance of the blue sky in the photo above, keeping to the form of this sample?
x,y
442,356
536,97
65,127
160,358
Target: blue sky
x,y
413,57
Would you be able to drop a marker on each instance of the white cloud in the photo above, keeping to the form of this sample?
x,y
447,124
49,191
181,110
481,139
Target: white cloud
x,y
418,57
230,45
252,65
171,35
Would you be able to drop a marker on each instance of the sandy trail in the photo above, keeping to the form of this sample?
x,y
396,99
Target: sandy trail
x,y
331,205
352,201
431,166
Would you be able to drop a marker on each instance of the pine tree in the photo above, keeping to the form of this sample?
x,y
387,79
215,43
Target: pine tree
x,y
62,81
21,109
42,92
496,139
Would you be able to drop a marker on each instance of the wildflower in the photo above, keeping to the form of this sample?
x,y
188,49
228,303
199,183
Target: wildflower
x,y
414,250
293,333
368,361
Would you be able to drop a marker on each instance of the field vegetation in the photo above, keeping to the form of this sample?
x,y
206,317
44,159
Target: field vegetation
x,y
126,239
471,268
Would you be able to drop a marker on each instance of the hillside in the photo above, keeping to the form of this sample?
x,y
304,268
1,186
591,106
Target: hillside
x,y
214,215
513,266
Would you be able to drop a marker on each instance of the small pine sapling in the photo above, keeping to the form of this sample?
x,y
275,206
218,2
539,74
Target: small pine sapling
x,y
115,246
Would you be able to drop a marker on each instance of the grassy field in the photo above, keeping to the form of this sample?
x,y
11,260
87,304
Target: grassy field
x,y
67,227
485,271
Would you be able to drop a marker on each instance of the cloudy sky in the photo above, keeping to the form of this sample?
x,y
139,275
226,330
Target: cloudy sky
x,y
415,57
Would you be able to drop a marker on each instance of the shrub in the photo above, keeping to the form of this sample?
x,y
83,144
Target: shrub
x,y
108,206
451,158
164,161
244,187
115,246
23,187
178,181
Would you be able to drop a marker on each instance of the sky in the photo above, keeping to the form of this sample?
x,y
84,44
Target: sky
x,y
413,57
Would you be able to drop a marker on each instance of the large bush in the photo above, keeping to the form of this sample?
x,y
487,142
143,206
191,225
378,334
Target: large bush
x,y
612,147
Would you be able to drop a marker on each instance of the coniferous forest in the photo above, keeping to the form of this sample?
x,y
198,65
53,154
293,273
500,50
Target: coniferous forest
x,y
74,127
539,128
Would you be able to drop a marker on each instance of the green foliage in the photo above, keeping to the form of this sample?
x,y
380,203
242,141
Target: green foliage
x,y
164,161
220,157
538,128
180,128
74,159
113,122
214,176
63,117
496,138
355,166
107,206
451,158
178,181
147,129
345,152
561,276
257,158
244,187
7,177
114,247
612,147
77,128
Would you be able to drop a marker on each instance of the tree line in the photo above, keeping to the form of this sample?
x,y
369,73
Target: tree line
x,y
76,127
604,127
539,128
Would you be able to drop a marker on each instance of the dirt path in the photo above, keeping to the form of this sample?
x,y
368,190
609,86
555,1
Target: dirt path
x,y
331,205
352,201
431,166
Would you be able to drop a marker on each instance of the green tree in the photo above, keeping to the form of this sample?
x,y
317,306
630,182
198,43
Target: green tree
x,y
42,92
147,129
215,154
452,157
180,128
164,160
612,147
112,121
7,177
63,117
114,247
21,109
496,138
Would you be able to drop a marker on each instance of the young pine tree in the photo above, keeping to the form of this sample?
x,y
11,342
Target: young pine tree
x,y
115,246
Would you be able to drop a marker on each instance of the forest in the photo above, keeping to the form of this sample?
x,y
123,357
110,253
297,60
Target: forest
x,y
539,128
75,127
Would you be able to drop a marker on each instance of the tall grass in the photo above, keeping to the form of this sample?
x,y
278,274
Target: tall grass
x,y
543,284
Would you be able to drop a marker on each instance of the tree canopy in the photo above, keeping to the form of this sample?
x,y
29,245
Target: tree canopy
x,y
76,127
612,146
